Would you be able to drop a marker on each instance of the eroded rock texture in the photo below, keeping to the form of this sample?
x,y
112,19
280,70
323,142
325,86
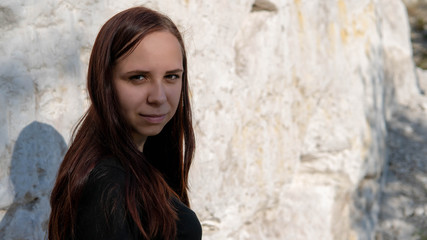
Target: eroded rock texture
x,y
290,103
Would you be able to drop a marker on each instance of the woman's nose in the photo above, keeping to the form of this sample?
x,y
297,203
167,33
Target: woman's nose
x,y
156,94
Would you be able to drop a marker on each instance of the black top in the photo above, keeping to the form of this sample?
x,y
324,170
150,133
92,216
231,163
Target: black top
x,y
105,190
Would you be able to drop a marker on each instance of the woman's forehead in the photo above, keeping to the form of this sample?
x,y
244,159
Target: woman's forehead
x,y
159,49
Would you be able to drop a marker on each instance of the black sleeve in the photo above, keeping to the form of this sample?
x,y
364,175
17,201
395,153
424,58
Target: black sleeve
x,y
101,211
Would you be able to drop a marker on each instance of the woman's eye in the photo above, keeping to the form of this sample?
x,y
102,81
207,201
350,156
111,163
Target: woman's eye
x,y
137,77
172,76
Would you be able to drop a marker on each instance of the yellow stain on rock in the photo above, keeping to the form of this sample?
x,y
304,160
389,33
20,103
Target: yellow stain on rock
x,y
364,21
299,14
344,35
359,25
300,20
342,8
370,8
332,33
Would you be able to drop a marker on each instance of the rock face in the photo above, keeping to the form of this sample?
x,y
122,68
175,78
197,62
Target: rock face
x,y
290,103
403,202
417,12
404,196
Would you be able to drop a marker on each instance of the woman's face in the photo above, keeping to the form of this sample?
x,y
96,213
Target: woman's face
x,y
148,84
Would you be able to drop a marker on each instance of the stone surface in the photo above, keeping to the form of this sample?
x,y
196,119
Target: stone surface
x,y
404,196
290,105
422,80
417,12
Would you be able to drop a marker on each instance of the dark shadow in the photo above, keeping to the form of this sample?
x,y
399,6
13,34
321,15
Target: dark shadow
x,y
37,154
379,95
403,212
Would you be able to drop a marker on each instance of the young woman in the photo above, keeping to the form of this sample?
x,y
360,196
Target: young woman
x,y
125,173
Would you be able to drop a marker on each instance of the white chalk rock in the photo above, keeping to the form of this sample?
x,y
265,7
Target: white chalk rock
x,y
289,97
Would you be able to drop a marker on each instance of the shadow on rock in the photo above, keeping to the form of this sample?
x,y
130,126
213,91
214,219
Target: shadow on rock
x,y
37,154
403,212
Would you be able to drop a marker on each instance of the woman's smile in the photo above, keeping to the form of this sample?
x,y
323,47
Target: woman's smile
x,y
153,118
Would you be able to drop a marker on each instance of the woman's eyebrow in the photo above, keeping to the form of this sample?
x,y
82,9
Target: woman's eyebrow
x,y
178,70
137,72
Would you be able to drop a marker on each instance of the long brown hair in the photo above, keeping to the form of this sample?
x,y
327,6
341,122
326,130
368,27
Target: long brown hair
x,y
103,131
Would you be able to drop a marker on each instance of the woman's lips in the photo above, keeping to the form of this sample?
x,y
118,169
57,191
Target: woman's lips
x,y
153,118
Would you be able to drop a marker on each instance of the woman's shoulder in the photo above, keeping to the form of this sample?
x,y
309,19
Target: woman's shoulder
x,y
102,212
188,225
107,169
109,162
108,176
